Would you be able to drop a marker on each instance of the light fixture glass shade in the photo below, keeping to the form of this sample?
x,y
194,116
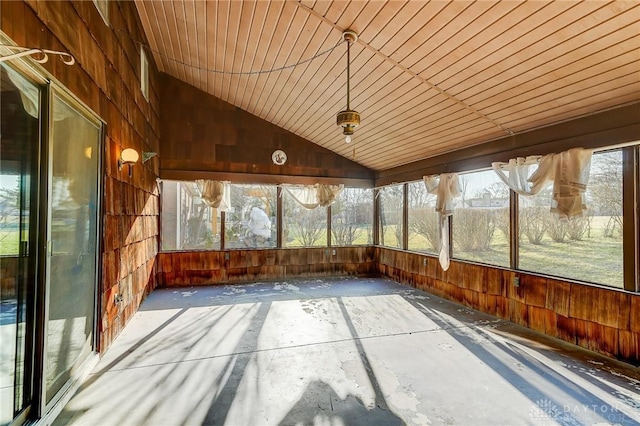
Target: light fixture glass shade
x,y
129,156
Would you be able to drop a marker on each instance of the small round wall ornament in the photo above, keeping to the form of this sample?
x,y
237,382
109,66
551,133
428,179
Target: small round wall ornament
x,y
279,157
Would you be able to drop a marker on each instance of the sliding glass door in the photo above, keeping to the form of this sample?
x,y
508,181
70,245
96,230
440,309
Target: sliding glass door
x,y
50,179
19,142
72,250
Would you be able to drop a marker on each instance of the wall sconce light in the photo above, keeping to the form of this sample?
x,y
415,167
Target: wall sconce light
x,y
128,157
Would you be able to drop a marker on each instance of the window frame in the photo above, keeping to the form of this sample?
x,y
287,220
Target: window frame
x,y
631,214
631,220
516,266
452,226
330,221
279,222
631,217
144,73
407,203
402,220
103,10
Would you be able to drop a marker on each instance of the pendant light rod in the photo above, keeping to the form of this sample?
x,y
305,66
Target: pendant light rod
x,y
349,37
348,119
348,73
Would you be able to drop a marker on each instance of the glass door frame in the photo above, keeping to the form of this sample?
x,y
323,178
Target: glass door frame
x,y
28,70
57,402
37,314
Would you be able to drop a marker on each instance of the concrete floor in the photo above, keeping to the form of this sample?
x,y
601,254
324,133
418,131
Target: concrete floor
x,y
355,351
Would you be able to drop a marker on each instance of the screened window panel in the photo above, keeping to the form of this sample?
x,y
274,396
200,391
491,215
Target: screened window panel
x,y
391,208
188,223
302,227
480,223
352,217
587,248
251,221
424,222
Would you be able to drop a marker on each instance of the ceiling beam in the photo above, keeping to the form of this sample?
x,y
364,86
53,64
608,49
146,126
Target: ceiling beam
x,y
606,128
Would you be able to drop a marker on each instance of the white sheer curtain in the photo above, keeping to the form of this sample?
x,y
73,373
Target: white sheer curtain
x,y
312,196
516,173
305,195
214,193
446,187
30,96
327,194
568,170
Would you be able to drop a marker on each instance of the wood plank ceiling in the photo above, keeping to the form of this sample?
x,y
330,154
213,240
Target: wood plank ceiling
x,y
426,77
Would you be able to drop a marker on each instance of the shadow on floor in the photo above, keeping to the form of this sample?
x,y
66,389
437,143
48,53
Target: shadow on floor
x,y
320,404
496,343
219,410
545,402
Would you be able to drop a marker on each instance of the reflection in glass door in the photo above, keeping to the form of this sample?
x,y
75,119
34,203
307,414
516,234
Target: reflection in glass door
x,y
19,141
71,243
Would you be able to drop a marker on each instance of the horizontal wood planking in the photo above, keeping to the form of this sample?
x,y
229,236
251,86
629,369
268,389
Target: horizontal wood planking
x,y
614,126
428,78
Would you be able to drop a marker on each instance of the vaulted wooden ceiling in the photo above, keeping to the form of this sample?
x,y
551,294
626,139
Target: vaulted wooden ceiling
x,y
427,77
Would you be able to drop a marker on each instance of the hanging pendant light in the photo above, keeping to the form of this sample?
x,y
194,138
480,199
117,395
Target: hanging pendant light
x,y
348,118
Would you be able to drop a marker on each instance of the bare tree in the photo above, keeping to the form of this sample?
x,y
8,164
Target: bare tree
x,y
464,186
499,190
579,226
391,211
532,222
474,229
426,223
9,211
344,233
502,220
305,226
308,225
423,220
604,190
346,216
556,228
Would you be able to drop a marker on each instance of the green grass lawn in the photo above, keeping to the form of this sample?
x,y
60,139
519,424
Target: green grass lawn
x,y
390,238
596,258
362,239
9,242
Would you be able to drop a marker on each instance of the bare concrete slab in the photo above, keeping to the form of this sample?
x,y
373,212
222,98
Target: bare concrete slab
x,y
342,352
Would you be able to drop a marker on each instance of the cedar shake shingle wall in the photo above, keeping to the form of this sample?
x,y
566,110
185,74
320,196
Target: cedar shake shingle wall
x,y
603,320
203,133
177,269
106,78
